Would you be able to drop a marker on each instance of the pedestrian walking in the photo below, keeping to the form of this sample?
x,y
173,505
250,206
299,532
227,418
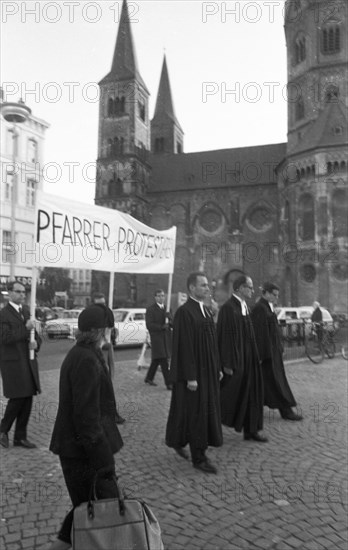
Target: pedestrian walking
x,y
159,325
108,347
241,386
20,374
85,435
194,415
277,392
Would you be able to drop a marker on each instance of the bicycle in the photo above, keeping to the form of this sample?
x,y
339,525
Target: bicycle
x,y
320,341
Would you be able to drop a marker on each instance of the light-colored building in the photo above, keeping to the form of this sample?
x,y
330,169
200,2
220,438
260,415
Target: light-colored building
x,y
24,144
81,286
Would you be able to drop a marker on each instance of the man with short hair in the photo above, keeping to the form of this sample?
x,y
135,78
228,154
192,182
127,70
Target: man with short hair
x,y
20,374
241,387
194,415
158,323
277,392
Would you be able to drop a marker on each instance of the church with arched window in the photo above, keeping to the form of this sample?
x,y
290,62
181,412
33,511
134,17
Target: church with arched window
x,y
277,212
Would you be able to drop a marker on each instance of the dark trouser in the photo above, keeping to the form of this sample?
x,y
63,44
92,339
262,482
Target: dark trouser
x,y
163,362
197,455
18,408
78,477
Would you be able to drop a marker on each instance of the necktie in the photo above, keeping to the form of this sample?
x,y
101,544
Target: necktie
x,y
21,312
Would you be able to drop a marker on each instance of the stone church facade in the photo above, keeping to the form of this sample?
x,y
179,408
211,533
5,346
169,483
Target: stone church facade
x,y
275,211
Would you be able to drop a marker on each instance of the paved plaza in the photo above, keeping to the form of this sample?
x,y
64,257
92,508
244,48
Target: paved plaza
x,y
287,494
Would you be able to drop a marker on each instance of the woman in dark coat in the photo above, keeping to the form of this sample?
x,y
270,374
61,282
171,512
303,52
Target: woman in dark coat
x,y
85,435
277,392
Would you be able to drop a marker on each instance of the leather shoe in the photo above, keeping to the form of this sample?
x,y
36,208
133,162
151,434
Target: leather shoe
x,y
255,437
290,415
4,440
24,443
205,466
150,382
120,420
181,452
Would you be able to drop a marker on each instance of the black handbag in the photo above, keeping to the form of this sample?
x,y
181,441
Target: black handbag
x,y
115,524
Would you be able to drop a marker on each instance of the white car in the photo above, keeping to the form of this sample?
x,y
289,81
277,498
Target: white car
x,y
288,314
130,326
65,326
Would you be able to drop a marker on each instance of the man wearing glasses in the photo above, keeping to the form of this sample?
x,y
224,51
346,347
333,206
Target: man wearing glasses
x,y
241,386
20,375
277,392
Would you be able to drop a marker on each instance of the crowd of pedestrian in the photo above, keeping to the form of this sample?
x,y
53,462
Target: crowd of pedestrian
x,y
224,367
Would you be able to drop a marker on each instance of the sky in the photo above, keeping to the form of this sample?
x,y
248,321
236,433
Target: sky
x,y
226,63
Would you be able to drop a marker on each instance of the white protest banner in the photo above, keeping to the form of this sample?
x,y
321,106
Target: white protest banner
x,y
75,235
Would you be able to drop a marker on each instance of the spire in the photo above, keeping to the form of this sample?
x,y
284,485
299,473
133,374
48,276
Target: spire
x,y
124,63
164,103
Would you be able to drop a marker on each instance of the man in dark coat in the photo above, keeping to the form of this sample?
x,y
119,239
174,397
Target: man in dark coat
x,y
20,374
159,323
277,392
241,387
194,415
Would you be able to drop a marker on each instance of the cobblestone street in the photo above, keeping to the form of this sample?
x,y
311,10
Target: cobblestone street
x,y
287,494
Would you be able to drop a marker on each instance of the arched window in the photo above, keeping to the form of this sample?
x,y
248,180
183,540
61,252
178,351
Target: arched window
x,y
339,213
330,39
332,94
116,146
306,217
299,109
303,173
109,148
110,107
300,49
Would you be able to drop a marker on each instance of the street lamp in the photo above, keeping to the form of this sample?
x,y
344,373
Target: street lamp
x,y
16,113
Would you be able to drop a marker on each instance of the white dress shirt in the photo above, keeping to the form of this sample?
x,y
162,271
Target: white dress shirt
x,y
245,310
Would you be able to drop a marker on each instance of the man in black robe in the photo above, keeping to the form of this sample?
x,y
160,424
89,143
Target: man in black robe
x,y
241,387
194,415
277,392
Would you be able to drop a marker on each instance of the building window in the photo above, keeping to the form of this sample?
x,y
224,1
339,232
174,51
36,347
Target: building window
x,y
8,186
300,49
32,151
116,107
30,192
6,246
306,218
141,109
330,39
332,94
299,109
159,145
9,142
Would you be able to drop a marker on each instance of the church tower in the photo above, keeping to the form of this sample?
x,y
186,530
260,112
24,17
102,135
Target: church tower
x,y
167,135
124,130
313,178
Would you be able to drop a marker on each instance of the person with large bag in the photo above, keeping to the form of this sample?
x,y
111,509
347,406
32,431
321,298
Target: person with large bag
x,y
85,434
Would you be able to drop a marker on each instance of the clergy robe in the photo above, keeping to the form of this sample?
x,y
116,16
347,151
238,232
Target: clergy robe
x,y
194,416
277,392
242,391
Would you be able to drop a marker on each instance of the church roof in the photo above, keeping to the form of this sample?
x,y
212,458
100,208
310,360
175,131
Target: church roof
x,y
164,103
211,169
124,64
322,131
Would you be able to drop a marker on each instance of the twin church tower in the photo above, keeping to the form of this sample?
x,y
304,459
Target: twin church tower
x,y
275,211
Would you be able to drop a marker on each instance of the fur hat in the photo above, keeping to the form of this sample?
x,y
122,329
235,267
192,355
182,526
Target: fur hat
x,y
95,316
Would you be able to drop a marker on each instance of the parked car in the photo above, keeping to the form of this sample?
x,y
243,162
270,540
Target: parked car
x,y
130,326
65,326
290,314
45,314
58,311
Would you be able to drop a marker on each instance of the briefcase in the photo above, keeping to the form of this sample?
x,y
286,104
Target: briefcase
x,y
115,524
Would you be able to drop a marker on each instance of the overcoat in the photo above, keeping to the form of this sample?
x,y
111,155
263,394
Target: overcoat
x,y
242,391
160,332
194,416
85,426
20,374
277,392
